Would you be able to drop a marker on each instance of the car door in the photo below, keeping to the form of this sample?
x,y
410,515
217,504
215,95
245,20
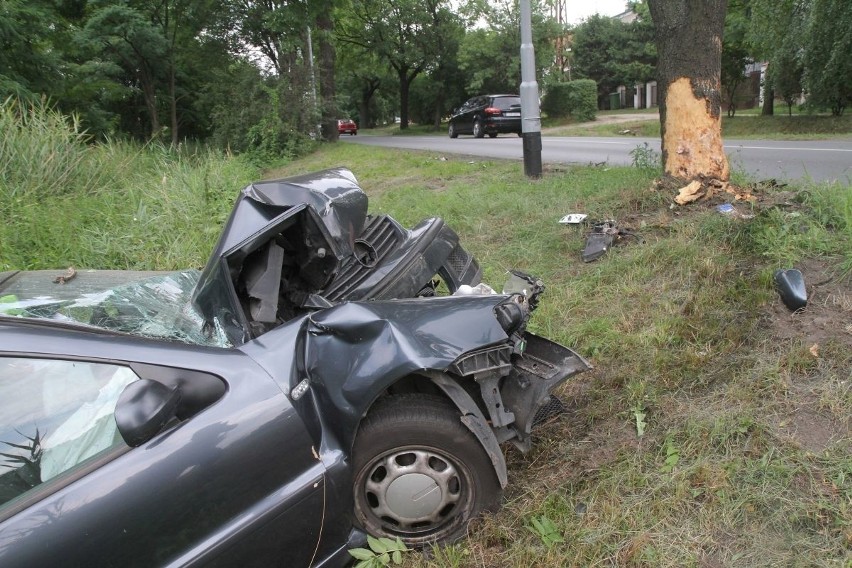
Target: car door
x,y
233,480
466,116
476,107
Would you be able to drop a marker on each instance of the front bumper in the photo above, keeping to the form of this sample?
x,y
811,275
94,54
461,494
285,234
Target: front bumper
x,y
513,387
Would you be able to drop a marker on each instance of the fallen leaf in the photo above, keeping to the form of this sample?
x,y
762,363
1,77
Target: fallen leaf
x,y
815,350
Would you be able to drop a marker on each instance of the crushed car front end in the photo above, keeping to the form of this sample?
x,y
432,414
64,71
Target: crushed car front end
x,y
364,287
406,372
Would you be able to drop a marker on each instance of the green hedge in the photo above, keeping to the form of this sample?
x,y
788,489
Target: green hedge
x,y
577,99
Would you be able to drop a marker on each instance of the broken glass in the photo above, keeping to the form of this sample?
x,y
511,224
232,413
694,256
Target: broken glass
x,y
148,304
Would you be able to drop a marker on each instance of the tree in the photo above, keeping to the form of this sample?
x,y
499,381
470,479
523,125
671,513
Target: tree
x,y
735,53
776,35
128,35
29,62
404,33
689,43
786,76
367,86
828,64
327,56
614,53
279,36
149,39
489,57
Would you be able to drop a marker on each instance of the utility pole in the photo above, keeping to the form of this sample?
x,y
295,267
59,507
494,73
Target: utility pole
x,y
530,113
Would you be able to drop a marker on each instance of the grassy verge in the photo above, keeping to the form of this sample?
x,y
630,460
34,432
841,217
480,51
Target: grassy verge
x,y
715,428
778,127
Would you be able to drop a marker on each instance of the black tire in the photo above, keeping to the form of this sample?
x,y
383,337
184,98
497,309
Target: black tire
x,y
452,131
492,135
478,131
414,445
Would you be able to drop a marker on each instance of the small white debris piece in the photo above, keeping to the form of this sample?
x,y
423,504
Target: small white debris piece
x,y
478,290
573,219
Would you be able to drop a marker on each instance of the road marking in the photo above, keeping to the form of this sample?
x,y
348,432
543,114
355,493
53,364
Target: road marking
x,y
740,146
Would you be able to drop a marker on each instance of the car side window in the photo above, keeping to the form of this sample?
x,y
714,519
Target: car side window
x,y
54,416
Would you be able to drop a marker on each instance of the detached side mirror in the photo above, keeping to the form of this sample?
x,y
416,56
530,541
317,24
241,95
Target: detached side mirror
x,y
791,287
143,409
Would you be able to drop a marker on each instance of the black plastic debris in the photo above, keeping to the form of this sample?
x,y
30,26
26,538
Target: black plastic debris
x,y
596,246
602,236
791,287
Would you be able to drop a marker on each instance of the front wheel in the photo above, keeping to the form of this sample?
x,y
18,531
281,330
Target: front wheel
x,y
420,474
452,131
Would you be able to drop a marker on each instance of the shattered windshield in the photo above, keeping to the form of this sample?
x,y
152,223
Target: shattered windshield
x,y
148,304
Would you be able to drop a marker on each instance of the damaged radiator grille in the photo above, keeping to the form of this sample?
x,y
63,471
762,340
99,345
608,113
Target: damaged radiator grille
x,y
382,236
459,260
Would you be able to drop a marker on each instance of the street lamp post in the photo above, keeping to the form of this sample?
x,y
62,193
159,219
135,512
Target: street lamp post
x,y
530,113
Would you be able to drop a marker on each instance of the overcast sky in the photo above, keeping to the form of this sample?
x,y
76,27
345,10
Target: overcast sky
x,y
578,10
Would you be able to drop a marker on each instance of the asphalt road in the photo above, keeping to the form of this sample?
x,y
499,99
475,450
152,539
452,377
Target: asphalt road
x,y
820,160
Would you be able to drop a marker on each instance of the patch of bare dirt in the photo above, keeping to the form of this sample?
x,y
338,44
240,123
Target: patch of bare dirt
x,y
604,442
828,315
812,429
825,321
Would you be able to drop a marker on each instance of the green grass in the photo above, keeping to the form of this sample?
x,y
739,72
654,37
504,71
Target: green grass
x,y
744,125
778,127
783,127
676,328
736,465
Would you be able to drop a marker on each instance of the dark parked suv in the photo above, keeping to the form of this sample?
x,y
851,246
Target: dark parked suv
x,y
487,114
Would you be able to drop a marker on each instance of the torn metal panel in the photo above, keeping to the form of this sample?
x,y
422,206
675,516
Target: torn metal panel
x,y
543,367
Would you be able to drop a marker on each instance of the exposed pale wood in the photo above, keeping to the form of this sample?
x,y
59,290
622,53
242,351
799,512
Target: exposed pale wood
x,y
692,135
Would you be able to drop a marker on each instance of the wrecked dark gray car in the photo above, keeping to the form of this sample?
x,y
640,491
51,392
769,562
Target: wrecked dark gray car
x,y
328,374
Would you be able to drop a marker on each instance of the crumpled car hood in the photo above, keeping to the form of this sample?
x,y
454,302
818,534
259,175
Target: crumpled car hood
x,y
334,194
306,243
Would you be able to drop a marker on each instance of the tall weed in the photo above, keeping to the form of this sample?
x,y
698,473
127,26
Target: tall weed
x,y
41,151
116,204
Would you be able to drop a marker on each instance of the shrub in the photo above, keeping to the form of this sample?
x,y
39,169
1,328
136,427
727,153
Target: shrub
x,y
578,99
555,102
583,99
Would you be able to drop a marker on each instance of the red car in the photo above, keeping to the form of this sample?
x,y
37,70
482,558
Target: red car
x,y
346,126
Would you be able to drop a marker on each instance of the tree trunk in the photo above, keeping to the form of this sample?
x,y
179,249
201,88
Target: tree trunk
x,y
404,87
688,35
367,92
173,105
768,100
328,106
150,96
